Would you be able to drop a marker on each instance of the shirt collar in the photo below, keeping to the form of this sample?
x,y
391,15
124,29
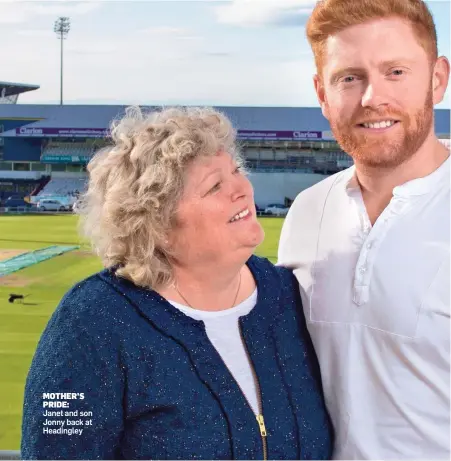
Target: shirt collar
x,y
419,186
350,180
425,185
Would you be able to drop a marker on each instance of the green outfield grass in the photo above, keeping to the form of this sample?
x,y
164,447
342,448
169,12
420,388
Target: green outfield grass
x,y
45,283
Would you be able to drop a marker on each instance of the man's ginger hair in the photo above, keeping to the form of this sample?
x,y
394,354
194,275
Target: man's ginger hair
x,y
332,16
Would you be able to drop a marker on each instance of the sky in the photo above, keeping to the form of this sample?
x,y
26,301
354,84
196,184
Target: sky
x,y
230,53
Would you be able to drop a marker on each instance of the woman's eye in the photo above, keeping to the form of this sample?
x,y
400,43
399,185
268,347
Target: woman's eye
x,y
215,188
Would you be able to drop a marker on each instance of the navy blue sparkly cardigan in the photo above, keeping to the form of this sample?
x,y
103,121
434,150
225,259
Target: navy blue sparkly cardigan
x,y
156,386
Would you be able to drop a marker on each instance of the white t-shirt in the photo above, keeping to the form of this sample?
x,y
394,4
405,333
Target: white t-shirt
x,y
223,332
377,304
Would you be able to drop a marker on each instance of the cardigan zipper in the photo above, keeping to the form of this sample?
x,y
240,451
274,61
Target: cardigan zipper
x,y
259,417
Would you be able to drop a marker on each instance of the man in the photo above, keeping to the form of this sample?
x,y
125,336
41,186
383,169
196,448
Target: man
x,y
370,246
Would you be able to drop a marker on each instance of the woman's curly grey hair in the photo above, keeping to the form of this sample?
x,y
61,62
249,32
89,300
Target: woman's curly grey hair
x,y
136,183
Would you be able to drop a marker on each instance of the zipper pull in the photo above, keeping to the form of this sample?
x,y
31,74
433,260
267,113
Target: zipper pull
x,y
261,424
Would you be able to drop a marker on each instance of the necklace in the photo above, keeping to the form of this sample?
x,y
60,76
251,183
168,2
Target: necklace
x,y
187,302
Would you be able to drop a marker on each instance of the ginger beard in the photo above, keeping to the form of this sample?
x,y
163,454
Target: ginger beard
x,y
390,149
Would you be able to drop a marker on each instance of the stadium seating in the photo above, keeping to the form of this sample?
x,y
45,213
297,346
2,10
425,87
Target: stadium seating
x,y
68,149
302,161
64,187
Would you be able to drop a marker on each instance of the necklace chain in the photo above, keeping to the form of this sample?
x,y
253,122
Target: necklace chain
x,y
187,302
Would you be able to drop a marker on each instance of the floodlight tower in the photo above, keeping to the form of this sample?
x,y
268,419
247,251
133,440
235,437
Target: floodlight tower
x,y
61,28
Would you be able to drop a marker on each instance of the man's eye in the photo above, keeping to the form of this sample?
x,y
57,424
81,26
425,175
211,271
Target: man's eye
x,y
398,72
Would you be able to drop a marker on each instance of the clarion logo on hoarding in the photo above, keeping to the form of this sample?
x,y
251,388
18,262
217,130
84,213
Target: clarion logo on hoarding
x,y
305,134
24,130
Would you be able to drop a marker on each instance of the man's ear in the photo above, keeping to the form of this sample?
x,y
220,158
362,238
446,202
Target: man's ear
x,y
440,78
321,94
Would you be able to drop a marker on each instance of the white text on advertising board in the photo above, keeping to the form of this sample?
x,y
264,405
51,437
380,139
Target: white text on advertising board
x,y
36,131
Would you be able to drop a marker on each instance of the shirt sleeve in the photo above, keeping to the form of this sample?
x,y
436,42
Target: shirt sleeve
x,y
74,390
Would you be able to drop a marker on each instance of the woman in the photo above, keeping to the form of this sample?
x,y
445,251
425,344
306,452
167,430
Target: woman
x,y
186,346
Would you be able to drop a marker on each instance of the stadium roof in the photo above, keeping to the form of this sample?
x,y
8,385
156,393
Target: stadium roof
x,y
101,116
51,120
12,89
64,119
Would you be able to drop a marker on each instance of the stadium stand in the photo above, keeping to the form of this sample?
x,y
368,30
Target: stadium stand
x,y
286,148
63,187
9,92
68,149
